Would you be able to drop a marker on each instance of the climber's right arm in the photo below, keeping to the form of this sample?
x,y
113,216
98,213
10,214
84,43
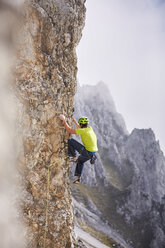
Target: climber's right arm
x,y
67,127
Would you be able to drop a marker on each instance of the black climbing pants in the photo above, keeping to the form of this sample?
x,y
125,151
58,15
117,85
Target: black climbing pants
x,y
85,155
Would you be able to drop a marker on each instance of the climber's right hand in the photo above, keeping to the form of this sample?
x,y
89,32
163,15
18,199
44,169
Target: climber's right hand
x,y
62,117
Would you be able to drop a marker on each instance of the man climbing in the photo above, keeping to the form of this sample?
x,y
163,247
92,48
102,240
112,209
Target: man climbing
x,y
87,150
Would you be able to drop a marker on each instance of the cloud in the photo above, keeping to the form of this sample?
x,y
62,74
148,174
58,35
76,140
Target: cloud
x,y
123,44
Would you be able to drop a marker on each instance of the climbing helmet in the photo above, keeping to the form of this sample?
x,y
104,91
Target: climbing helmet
x,y
83,120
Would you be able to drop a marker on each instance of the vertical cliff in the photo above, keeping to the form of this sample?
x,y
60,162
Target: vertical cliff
x,y
45,87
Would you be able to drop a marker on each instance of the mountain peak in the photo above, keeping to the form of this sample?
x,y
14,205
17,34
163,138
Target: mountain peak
x,y
99,91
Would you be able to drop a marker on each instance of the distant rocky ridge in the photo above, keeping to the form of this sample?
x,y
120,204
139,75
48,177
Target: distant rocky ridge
x,y
145,202
130,172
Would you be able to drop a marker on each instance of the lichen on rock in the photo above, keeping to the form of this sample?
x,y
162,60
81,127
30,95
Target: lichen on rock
x,y
45,86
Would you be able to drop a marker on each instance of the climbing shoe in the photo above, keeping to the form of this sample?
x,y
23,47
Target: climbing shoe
x,y
71,159
93,159
76,181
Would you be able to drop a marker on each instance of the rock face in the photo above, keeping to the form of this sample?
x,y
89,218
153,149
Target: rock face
x,y
45,87
145,201
128,180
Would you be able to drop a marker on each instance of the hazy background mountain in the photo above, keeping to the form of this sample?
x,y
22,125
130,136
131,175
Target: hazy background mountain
x,y
122,196
123,44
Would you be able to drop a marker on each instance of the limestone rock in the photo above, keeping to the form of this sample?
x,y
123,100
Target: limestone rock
x,y
45,86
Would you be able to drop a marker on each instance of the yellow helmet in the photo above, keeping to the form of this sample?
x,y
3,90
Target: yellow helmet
x,y
83,120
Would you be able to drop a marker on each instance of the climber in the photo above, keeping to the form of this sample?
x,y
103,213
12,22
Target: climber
x,y
89,148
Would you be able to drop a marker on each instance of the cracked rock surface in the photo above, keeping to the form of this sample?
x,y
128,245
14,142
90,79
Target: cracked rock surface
x,y
45,86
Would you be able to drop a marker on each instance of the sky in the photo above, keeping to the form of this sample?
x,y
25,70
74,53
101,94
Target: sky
x,y
123,45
